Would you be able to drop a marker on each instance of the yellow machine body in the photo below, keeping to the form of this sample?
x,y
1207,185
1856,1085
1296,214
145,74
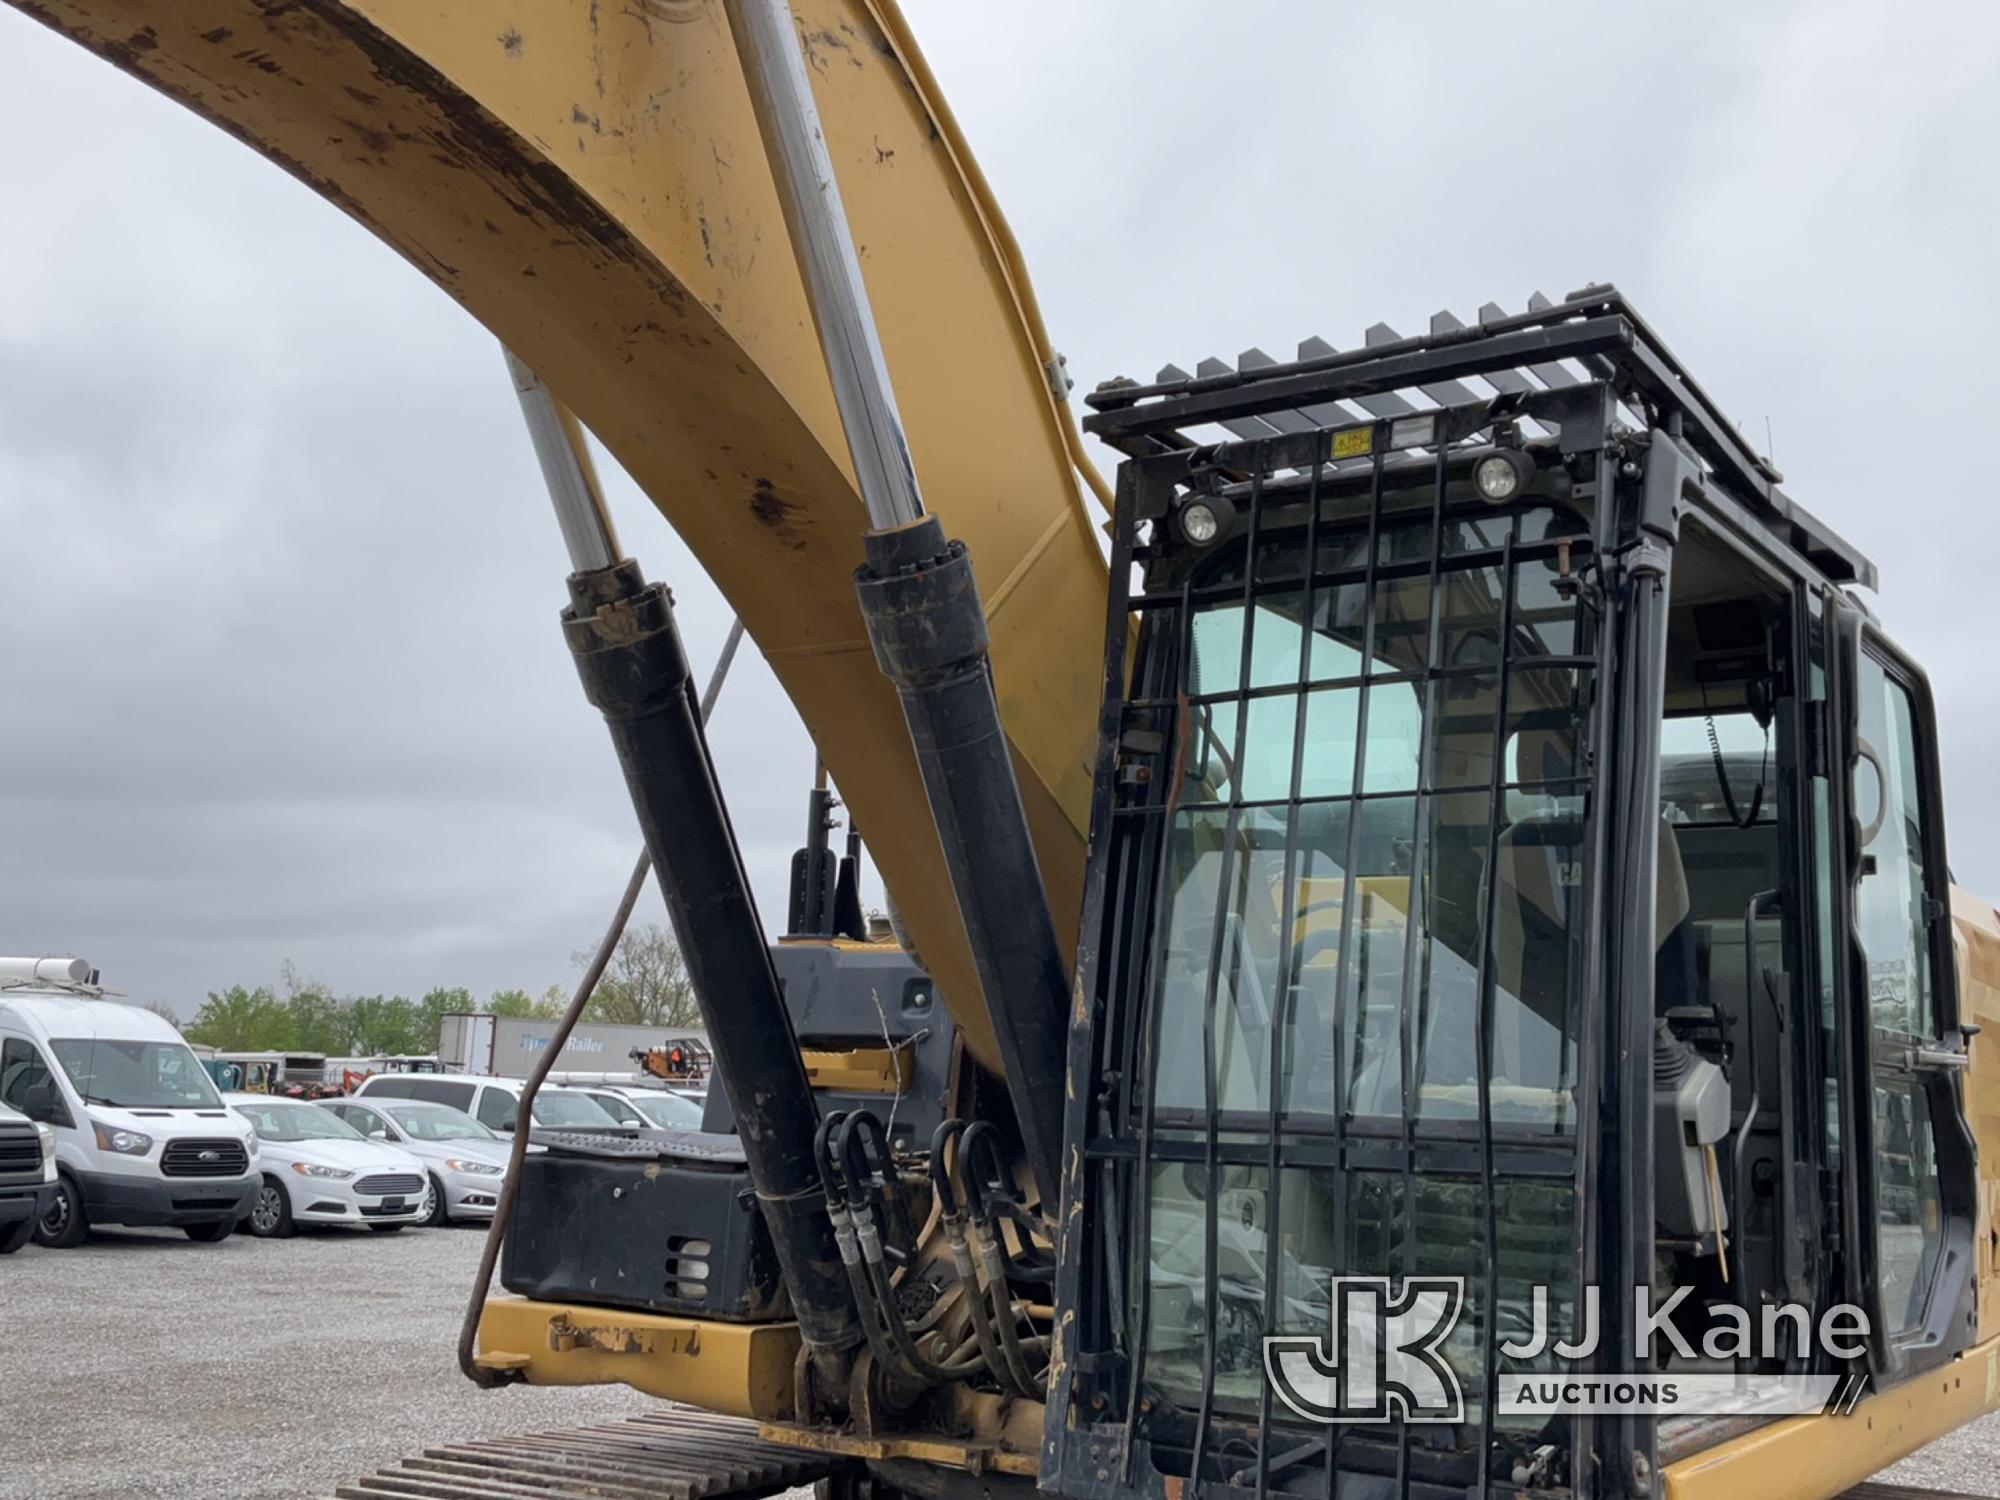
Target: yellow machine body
x,y
589,183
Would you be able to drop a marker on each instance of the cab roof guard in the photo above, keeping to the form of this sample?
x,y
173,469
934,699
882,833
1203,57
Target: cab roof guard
x,y
1592,335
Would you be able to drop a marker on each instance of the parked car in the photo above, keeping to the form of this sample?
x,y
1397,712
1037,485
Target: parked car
x,y
141,1136
463,1160
493,1102
647,1109
315,1168
27,1177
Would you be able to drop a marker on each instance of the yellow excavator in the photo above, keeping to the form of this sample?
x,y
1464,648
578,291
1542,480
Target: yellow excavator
x,y
1438,883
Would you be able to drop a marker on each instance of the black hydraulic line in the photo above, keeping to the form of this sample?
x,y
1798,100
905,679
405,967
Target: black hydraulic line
x,y
929,632
951,1214
988,1256
990,1194
868,1162
843,1219
840,1146
629,655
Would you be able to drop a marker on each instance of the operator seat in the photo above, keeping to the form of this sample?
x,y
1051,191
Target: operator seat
x,y
1540,856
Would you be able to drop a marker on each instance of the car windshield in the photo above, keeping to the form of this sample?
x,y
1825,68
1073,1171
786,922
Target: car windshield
x,y
670,1111
297,1122
135,1075
438,1122
552,1108
619,1110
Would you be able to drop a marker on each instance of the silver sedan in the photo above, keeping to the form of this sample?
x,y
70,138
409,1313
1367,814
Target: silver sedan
x,y
463,1159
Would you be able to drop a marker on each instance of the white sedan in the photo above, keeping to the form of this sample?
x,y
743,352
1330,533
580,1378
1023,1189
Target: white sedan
x,y
465,1161
318,1169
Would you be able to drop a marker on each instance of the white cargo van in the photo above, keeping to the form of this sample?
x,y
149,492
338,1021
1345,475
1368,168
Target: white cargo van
x,y
142,1138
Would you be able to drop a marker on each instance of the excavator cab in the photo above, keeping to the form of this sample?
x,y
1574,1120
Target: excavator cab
x,y
1516,870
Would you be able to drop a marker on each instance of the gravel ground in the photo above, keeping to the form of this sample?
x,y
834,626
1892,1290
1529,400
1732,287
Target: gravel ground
x,y
1967,1462
145,1365
142,1364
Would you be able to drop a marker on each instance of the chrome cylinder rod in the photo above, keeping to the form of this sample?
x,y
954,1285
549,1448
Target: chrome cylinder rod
x,y
566,468
788,119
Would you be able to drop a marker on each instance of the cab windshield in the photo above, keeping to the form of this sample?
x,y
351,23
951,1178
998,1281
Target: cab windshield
x,y
1370,856
135,1075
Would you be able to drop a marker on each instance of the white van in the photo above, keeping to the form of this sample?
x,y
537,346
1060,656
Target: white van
x,y
493,1102
27,1177
142,1138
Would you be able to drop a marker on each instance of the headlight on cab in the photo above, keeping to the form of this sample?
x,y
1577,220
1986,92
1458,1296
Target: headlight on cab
x,y
314,1169
475,1168
47,1137
124,1142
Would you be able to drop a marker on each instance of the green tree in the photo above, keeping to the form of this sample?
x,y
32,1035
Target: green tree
x,y
319,1019
520,1005
430,1013
386,1023
241,1020
646,983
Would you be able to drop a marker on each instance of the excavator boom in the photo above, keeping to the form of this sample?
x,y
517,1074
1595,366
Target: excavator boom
x,y
589,182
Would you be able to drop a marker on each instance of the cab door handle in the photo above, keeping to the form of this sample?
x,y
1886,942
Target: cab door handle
x,y
1939,1057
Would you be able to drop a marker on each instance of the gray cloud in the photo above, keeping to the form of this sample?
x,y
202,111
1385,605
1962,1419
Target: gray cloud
x,y
280,673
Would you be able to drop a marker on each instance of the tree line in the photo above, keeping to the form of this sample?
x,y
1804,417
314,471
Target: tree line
x,y
646,984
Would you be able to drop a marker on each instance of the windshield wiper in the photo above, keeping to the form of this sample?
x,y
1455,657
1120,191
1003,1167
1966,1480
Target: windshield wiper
x,y
107,1103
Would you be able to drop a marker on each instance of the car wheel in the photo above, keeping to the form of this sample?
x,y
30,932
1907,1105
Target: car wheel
x,y
434,1214
209,1234
388,1228
16,1235
270,1211
65,1224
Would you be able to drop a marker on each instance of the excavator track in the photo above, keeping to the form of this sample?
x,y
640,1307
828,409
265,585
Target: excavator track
x,y
670,1455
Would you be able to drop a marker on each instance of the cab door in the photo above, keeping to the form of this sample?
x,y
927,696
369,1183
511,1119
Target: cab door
x,y
1911,1174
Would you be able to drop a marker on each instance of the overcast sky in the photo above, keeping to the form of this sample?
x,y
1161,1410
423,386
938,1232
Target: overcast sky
x,y
279,670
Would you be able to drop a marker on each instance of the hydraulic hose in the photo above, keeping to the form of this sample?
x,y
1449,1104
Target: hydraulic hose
x,y
988,1256
952,1216
860,1245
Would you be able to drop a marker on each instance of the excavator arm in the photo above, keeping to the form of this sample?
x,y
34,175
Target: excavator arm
x,y
589,182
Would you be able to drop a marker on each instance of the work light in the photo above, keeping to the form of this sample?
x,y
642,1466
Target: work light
x,y
1502,474
1199,523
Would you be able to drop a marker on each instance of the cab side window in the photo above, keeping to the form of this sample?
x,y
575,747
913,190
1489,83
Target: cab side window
x,y
21,1070
497,1109
1894,914
1889,895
